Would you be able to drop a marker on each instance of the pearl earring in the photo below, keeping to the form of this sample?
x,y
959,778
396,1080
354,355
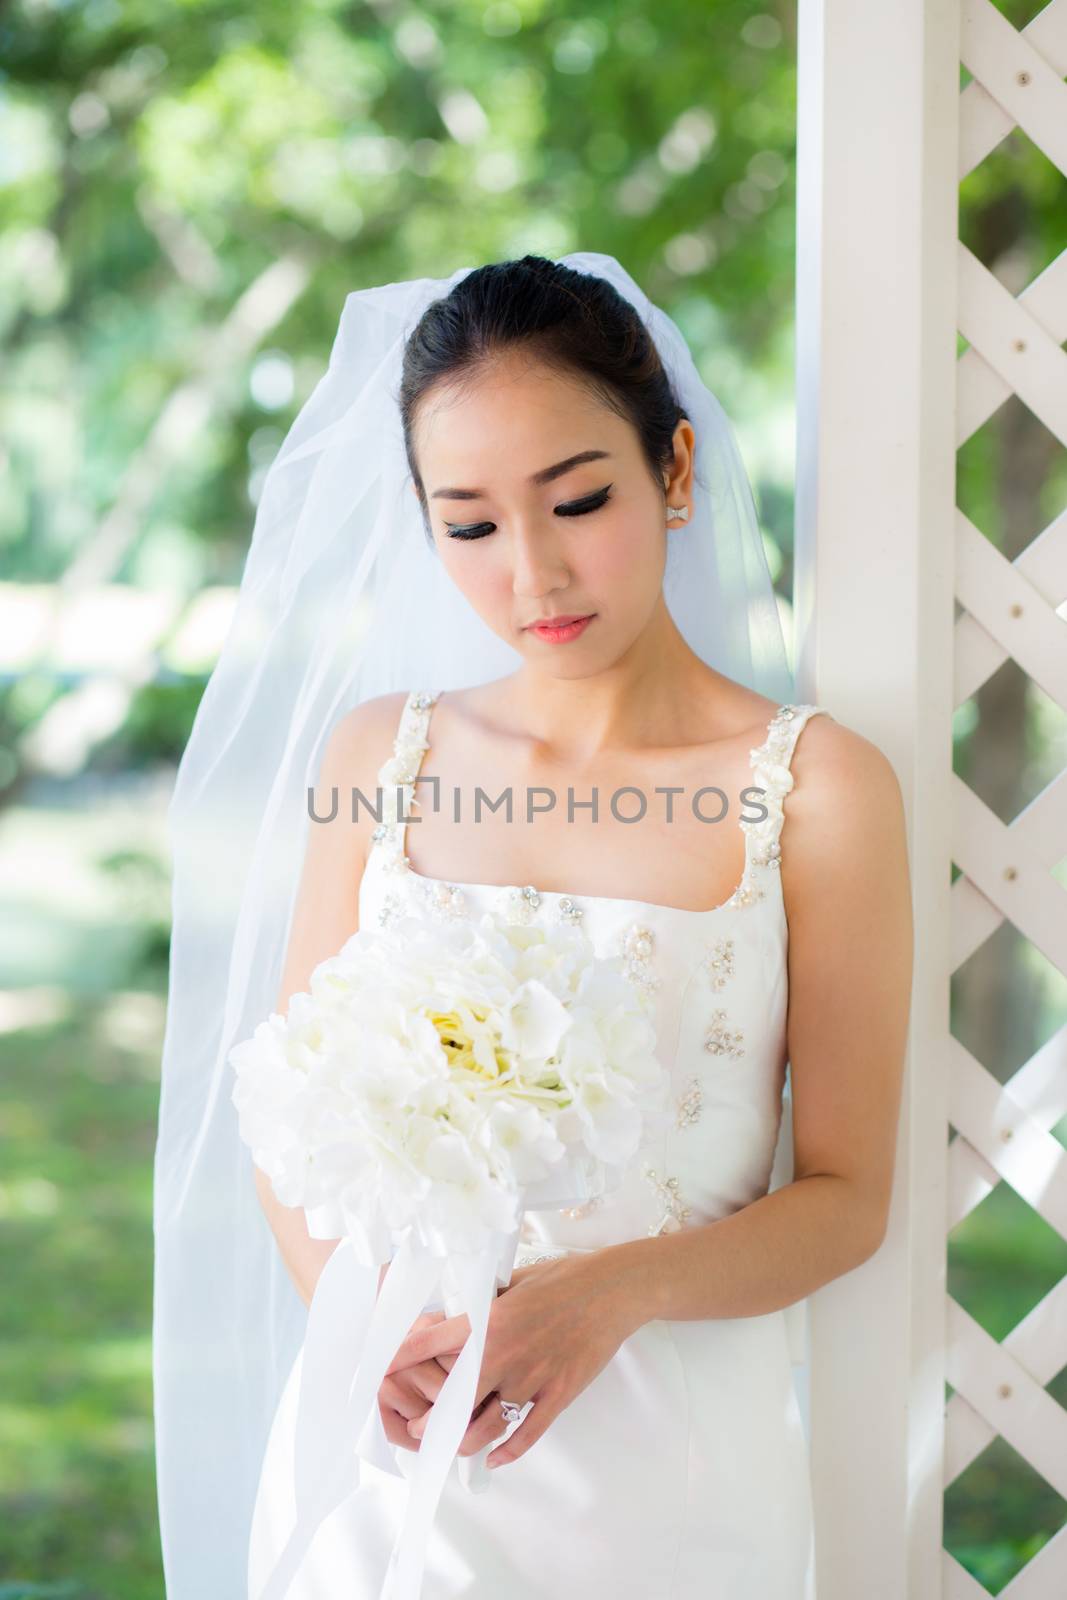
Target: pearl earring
x,y
677,513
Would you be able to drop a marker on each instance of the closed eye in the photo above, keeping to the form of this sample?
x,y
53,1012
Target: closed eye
x,y
573,508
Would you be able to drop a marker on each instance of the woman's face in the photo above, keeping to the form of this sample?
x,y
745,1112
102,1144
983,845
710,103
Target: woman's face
x,y
528,529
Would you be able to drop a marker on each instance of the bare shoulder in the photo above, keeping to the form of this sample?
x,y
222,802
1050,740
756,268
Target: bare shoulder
x,y
364,736
357,746
845,823
326,911
828,754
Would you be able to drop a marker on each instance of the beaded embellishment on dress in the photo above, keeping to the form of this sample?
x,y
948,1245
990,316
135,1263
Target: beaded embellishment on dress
x,y
689,1104
675,1211
719,963
721,1040
638,947
771,772
520,905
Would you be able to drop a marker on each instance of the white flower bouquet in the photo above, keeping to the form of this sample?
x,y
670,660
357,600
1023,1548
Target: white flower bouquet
x,y
437,1080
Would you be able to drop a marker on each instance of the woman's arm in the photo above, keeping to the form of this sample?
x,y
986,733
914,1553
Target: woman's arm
x,y
325,915
848,900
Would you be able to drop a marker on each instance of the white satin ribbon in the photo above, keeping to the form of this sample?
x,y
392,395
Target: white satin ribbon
x,y
449,1419
353,1334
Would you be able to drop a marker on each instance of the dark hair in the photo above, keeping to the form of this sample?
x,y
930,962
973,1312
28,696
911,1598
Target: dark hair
x,y
573,322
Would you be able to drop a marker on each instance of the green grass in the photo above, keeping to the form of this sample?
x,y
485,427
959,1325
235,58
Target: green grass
x,y
77,1482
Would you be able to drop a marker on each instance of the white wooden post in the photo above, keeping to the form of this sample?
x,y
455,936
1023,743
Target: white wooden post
x,y
876,359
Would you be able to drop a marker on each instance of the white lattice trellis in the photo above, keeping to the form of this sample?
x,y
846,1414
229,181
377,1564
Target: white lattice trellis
x,y
1010,612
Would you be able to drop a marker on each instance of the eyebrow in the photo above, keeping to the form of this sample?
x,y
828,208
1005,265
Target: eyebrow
x,y
546,475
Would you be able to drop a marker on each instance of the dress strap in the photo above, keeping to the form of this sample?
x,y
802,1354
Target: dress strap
x,y
396,776
770,764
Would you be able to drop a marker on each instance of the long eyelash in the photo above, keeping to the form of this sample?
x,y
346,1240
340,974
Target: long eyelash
x,y
592,502
472,531
577,508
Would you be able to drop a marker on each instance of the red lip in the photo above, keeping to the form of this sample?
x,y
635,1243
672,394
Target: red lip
x,y
559,622
561,630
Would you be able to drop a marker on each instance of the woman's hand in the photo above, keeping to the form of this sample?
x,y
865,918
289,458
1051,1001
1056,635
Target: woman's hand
x,y
554,1328
410,1387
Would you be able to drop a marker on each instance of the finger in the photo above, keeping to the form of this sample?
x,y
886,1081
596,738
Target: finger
x,y
487,1385
427,1380
487,1424
417,1427
404,1355
536,1422
487,1407
424,1343
396,1428
400,1399
413,1390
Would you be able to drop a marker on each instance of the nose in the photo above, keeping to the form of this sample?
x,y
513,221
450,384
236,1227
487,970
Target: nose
x,y
537,564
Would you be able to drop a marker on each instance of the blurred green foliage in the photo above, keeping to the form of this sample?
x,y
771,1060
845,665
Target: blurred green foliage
x,y
189,193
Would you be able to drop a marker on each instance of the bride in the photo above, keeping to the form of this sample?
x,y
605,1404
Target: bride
x,y
509,546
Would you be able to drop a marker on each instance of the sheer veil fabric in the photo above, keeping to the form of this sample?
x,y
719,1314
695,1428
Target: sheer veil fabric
x,y
342,598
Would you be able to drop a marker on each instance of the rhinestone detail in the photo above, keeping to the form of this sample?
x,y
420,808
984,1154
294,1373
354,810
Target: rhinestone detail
x,y
675,1211
520,905
770,769
720,1040
390,909
718,963
397,777
445,900
689,1104
638,946
746,894
583,1210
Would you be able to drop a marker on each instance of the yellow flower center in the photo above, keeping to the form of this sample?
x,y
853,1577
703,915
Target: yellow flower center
x,y
459,1045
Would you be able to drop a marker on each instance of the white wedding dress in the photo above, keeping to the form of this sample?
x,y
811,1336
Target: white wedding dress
x,y
681,1471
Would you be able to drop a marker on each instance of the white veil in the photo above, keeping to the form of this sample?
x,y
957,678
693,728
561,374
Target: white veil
x,y
342,598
